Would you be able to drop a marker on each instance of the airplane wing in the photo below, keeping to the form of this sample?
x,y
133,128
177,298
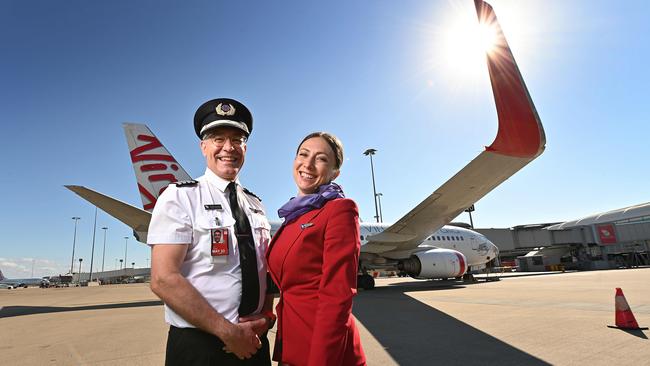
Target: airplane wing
x,y
520,139
136,218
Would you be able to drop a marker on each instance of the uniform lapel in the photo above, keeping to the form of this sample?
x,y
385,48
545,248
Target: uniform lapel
x,y
292,232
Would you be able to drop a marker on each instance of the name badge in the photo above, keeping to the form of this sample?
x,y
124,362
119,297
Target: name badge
x,y
220,242
212,207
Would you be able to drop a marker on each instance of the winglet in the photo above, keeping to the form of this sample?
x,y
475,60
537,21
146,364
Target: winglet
x,y
520,131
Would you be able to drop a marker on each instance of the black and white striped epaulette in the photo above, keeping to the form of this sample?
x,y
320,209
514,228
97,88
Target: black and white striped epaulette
x,y
186,183
251,193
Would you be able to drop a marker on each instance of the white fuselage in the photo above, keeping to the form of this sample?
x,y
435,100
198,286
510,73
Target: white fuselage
x,y
476,248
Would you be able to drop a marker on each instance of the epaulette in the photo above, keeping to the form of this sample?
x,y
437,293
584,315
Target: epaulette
x,y
186,183
251,193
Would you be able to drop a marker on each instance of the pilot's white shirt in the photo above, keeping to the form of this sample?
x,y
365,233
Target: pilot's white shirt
x,y
180,217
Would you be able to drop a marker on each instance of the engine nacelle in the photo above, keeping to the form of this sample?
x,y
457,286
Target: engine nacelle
x,y
435,263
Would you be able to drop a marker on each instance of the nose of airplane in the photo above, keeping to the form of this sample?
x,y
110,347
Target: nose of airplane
x,y
494,250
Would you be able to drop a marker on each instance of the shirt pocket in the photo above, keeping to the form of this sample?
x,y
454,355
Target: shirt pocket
x,y
261,231
203,233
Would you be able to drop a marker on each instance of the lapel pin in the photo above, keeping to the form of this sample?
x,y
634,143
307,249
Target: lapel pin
x,y
304,226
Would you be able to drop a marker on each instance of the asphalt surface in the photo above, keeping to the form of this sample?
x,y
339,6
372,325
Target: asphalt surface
x,y
558,319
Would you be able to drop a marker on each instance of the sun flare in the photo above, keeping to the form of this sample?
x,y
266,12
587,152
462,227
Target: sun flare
x,y
466,44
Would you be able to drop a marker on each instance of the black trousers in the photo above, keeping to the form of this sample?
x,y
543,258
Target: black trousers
x,y
191,346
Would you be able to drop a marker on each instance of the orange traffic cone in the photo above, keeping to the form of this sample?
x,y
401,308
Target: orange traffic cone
x,y
624,317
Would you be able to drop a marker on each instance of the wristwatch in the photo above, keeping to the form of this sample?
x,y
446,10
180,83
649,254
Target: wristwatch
x,y
270,317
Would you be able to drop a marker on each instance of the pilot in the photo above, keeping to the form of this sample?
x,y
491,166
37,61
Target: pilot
x,y
208,238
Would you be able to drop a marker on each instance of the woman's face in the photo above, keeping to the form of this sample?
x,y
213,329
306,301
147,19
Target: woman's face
x,y
314,165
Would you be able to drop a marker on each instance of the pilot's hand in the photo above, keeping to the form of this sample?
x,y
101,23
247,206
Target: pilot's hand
x,y
259,322
241,340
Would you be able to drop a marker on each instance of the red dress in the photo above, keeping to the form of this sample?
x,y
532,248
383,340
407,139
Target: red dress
x,y
314,261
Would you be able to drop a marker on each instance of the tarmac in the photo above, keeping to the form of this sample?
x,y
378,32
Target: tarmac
x,y
554,319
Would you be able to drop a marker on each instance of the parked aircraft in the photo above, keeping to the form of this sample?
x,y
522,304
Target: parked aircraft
x,y
19,282
454,250
419,244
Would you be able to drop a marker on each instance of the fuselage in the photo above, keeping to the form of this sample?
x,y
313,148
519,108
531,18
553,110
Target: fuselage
x,y
476,248
18,282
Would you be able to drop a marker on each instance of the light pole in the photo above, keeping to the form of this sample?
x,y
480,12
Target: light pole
x,y
381,217
92,250
121,260
371,152
133,265
79,274
104,251
74,241
126,245
469,210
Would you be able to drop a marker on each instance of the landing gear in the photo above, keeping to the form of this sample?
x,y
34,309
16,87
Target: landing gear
x,y
467,277
365,281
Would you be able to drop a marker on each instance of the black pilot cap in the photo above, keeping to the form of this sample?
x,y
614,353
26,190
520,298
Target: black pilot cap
x,y
222,112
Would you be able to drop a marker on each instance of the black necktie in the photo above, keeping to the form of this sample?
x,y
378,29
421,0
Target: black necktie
x,y
247,256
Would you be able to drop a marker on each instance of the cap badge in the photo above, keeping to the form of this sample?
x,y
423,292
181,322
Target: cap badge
x,y
225,109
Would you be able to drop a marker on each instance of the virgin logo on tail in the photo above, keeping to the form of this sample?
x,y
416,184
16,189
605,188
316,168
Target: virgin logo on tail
x,y
153,165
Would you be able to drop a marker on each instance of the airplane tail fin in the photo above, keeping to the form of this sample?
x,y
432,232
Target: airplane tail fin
x,y
2,277
153,164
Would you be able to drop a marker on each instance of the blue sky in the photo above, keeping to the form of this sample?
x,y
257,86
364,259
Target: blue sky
x,y
376,73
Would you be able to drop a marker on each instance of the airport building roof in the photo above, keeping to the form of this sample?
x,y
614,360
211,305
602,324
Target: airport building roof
x,y
620,214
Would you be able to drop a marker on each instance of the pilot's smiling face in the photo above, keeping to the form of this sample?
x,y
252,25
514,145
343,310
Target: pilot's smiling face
x,y
314,165
224,149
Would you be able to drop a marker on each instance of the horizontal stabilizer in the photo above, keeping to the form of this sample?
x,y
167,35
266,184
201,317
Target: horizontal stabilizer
x,y
136,218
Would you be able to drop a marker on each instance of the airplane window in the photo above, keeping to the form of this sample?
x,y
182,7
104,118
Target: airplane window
x,y
448,238
361,237
438,237
443,238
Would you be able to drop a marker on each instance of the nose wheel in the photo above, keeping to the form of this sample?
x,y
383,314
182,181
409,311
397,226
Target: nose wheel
x,y
365,281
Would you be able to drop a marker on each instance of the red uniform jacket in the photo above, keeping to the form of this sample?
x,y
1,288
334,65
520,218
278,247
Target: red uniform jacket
x,y
314,261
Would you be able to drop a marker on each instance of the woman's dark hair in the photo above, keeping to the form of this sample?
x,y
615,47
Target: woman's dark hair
x,y
333,141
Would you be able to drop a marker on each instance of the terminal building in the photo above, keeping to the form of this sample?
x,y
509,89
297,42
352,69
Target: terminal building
x,y
124,275
613,239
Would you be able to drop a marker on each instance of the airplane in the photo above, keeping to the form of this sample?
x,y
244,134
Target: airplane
x,y
451,245
420,243
18,282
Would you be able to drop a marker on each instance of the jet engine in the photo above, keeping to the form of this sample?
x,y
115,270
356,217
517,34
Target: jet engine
x,y
435,263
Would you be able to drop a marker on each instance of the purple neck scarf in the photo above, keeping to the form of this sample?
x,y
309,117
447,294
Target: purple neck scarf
x,y
297,206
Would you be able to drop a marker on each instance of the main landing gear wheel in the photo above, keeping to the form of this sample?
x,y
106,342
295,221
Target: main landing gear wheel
x,y
365,281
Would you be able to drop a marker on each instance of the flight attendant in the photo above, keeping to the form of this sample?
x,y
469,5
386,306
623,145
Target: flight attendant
x,y
314,258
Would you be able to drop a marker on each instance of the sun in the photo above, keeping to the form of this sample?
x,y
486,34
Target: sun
x,y
465,43
455,44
